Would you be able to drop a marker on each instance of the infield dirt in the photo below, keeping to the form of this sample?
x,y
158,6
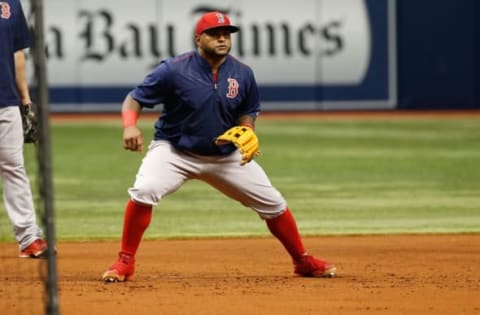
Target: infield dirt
x,y
400,274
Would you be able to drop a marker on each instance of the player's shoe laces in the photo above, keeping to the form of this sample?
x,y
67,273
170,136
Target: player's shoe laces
x,y
309,266
37,249
122,270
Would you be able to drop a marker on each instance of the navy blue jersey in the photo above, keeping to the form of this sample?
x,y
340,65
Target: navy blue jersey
x,y
14,36
196,107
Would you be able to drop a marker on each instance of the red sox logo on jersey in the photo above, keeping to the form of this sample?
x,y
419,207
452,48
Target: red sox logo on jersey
x,y
5,10
232,88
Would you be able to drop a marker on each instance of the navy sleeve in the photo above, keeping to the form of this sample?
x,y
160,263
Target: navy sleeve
x,y
154,88
251,105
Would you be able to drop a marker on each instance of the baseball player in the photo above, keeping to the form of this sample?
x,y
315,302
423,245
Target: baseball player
x,y
206,132
17,195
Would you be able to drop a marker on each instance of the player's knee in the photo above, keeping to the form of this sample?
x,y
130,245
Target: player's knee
x,y
271,213
143,196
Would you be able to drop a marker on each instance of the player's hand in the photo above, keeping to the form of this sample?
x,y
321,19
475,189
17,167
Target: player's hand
x,y
133,139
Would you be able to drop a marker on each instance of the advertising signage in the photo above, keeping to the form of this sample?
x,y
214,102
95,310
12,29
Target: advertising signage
x,y
306,55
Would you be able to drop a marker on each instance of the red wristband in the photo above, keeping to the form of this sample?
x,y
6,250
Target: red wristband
x,y
129,118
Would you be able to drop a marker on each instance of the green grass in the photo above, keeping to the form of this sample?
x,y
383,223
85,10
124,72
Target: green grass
x,y
339,177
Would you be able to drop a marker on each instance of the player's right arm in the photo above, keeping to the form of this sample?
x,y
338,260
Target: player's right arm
x,y
132,135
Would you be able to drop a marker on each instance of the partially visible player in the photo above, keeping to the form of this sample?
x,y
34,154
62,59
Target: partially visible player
x,y
17,195
205,93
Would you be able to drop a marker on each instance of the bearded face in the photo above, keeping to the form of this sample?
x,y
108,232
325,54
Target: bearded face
x,y
215,43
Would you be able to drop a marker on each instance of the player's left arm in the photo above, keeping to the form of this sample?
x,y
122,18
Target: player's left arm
x,y
250,107
247,120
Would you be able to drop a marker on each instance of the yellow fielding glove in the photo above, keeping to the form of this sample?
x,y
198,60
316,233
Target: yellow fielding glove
x,y
244,139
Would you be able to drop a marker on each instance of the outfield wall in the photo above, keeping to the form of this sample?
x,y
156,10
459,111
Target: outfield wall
x,y
315,55
438,54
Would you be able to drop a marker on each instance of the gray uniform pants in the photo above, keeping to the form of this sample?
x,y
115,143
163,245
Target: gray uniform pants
x,y
17,194
164,170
